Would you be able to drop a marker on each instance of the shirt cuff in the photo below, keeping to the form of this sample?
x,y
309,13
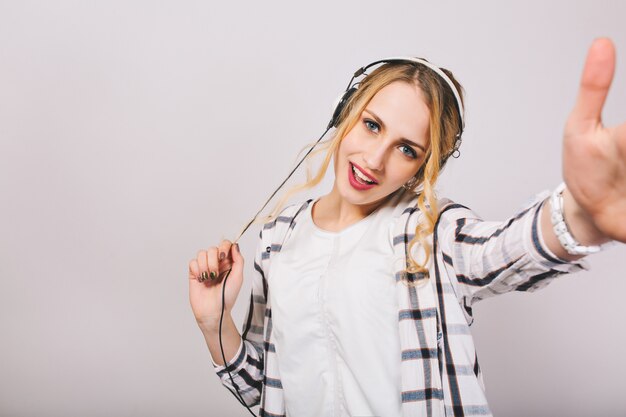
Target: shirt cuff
x,y
540,251
234,363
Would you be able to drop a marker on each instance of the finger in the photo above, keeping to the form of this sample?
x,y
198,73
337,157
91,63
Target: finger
x,y
203,265
224,250
194,270
195,275
237,268
213,263
595,81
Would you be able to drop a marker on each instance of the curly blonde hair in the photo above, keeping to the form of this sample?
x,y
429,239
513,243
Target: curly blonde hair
x,y
445,124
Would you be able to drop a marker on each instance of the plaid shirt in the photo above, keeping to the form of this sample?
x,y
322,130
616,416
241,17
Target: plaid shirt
x,y
473,259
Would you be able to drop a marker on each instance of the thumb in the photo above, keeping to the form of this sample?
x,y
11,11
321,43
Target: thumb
x,y
595,82
238,261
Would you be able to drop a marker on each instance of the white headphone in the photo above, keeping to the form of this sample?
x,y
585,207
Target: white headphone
x,y
343,99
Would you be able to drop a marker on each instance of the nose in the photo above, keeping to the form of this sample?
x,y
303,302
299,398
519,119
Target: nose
x,y
375,156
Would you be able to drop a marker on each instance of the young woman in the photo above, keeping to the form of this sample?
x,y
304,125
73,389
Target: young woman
x,y
366,308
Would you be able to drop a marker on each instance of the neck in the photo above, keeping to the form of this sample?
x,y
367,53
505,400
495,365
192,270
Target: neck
x,y
332,212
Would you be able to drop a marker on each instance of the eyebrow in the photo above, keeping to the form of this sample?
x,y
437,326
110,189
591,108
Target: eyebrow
x,y
382,124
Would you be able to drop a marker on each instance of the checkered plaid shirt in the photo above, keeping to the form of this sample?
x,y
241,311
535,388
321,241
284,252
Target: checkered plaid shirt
x,y
473,259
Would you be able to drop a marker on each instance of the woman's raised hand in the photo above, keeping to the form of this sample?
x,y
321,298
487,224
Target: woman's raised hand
x,y
206,279
594,156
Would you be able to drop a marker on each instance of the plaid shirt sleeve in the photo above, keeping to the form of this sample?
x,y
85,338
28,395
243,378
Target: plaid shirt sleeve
x,y
490,258
246,367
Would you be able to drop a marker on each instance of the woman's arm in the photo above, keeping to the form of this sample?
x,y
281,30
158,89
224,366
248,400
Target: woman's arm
x,y
523,253
244,353
594,162
486,258
231,340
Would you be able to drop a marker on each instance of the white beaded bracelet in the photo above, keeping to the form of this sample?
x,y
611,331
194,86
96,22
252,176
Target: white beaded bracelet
x,y
560,227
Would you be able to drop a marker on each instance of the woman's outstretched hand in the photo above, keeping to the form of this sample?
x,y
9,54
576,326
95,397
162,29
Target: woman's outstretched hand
x,y
205,292
594,156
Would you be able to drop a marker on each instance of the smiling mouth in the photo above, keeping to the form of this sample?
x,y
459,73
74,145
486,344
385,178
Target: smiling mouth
x,y
360,177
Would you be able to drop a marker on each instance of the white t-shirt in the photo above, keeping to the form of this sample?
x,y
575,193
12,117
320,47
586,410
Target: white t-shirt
x,y
335,319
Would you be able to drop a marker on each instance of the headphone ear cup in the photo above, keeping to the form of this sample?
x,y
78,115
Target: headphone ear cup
x,y
340,103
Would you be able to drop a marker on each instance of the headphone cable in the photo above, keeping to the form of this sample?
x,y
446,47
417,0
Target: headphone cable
x,y
281,185
239,396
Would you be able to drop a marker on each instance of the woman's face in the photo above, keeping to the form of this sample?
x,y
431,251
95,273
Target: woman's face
x,y
387,144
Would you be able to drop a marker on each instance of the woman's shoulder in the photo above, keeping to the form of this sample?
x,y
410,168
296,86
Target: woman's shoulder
x,y
448,209
290,211
285,218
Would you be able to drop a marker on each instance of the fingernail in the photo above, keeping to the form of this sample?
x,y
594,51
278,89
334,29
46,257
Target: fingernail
x,y
213,275
222,255
204,276
236,247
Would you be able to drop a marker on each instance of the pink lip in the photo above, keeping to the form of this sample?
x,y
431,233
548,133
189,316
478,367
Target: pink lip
x,y
365,172
355,183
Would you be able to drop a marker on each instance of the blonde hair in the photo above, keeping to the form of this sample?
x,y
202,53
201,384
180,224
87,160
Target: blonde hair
x,y
444,127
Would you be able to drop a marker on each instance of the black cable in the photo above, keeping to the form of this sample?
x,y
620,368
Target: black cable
x,y
280,186
239,396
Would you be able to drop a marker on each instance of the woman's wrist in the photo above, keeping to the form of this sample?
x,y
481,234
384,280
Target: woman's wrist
x,y
212,326
580,223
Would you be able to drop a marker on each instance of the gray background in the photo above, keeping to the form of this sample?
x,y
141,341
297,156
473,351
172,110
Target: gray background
x,y
134,133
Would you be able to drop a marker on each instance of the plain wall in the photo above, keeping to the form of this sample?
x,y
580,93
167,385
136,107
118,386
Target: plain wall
x,y
135,133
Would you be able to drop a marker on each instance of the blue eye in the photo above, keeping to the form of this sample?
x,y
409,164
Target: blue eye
x,y
371,125
374,127
410,152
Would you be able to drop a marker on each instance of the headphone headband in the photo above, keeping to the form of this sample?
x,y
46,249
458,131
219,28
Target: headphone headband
x,y
351,89
435,68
